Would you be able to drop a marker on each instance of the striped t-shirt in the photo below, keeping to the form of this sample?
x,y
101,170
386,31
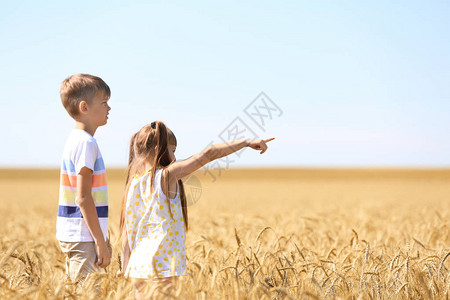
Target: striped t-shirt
x,y
81,150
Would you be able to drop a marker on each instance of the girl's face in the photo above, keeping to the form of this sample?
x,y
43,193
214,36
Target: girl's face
x,y
172,149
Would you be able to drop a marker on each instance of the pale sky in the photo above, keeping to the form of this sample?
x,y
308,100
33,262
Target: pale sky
x,y
359,83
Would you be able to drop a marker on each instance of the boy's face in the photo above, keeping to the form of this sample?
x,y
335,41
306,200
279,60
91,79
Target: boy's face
x,y
172,149
98,110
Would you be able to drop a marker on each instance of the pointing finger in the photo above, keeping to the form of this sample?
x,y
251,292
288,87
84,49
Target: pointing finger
x,y
268,140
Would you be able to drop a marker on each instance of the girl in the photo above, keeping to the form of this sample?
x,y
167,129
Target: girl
x,y
154,219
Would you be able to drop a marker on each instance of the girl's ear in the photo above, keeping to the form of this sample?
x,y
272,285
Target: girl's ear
x,y
83,106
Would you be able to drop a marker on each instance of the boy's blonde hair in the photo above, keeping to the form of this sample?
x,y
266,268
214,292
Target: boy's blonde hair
x,y
79,87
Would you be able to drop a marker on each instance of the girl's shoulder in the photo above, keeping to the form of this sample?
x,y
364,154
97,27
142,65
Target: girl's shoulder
x,y
144,179
145,176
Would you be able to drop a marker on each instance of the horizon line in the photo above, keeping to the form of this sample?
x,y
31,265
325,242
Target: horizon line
x,y
255,167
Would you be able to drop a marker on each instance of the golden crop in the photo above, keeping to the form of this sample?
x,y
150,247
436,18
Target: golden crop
x,y
256,234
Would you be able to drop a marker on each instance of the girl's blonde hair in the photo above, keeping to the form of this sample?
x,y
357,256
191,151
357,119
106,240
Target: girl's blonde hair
x,y
149,142
173,142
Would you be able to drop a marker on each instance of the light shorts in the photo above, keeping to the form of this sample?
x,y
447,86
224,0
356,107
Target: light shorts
x,y
81,259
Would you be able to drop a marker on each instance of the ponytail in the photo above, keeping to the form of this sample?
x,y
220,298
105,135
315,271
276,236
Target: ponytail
x,y
161,157
183,203
173,141
131,158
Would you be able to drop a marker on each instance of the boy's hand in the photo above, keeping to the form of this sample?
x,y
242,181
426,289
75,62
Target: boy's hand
x,y
103,254
259,144
89,212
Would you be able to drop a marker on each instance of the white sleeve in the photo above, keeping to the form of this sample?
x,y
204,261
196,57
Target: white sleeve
x,y
86,156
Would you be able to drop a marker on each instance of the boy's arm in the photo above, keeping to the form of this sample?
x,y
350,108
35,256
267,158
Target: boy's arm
x,y
180,169
89,212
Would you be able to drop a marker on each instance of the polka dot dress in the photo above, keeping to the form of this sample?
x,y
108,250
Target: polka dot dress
x,y
156,236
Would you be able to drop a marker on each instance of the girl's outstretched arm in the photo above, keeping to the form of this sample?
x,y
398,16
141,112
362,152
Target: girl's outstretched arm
x,y
180,169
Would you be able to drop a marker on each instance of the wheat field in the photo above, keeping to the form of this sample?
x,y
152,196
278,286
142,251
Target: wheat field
x,y
255,234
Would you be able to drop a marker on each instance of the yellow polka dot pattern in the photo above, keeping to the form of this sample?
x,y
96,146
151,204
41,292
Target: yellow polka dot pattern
x,y
156,239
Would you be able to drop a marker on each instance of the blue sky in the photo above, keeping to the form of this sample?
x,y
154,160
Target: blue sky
x,y
359,83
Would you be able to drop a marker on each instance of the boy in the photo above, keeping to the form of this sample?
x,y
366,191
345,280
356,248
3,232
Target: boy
x,y
82,222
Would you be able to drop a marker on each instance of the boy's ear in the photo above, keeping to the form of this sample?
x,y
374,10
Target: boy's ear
x,y
82,107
